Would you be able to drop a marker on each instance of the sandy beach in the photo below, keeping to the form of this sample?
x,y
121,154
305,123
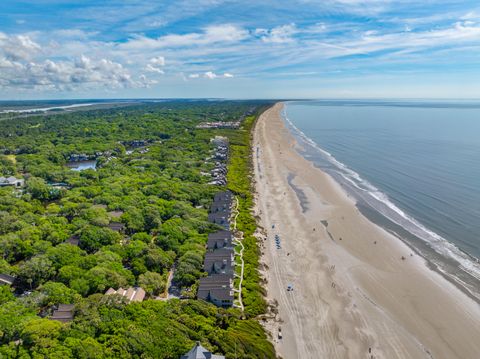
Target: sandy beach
x,y
358,292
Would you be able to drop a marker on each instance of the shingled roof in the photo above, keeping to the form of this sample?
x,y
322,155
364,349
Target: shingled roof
x,y
6,279
64,313
226,195
217,288
220,239
219,261
199,352
131,294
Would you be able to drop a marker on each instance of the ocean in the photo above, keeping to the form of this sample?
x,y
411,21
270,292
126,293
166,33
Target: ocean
x,y
412,166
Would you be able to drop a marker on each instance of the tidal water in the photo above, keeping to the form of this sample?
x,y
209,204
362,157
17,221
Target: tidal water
x,y
82,165
414,168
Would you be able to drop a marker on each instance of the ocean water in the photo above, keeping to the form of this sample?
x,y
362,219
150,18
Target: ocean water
x,y
414,168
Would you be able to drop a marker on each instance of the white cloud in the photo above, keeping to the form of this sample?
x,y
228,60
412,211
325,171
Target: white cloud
x,y
22,69
472,15
279,34
151,68
210,35
158,61
210,75
155,65
18,47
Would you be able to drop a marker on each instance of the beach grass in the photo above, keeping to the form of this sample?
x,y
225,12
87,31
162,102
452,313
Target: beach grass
x,y
239,181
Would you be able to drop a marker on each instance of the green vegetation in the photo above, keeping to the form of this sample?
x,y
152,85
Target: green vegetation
x,y
239,182
159,193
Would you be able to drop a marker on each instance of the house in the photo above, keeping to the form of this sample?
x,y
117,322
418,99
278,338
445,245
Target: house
x,y
115,214
117,226
221,218
217,289
131,294
11,181
199,352
64,313
225,195
219,261
6,279
220,239
224,205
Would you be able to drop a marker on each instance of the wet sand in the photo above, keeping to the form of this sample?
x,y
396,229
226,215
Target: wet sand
x,y
358,292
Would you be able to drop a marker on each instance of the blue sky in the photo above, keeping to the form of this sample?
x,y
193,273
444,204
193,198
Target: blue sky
x,y
239,49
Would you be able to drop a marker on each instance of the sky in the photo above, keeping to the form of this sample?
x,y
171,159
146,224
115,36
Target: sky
x,y
239,49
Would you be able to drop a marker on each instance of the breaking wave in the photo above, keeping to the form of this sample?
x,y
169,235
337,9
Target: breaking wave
x,y
368,194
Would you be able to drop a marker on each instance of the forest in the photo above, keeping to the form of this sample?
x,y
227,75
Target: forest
x,y
67,236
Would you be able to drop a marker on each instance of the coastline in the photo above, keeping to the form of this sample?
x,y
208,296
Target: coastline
x,y
354,296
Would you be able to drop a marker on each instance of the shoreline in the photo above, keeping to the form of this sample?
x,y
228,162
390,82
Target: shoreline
x,y
354,296
387,225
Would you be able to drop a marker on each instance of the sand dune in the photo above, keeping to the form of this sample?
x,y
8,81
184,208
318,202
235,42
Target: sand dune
x,y
353,295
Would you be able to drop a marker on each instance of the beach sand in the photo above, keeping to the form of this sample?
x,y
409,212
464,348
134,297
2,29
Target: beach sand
x,y
358,292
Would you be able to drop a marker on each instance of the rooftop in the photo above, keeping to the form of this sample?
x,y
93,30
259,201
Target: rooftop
x,y
116,226
224,234
6,279
73,240
199,352
225,195
64,313
218,243
132,294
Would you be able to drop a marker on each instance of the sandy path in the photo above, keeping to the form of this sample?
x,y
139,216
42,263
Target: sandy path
x,y
354,296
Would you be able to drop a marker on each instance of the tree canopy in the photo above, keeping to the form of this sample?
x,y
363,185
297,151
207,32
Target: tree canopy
x,y
67,235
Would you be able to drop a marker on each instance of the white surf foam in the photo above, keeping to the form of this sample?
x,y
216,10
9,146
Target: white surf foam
x,y
391,211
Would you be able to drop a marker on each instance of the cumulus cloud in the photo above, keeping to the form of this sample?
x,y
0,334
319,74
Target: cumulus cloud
x,y
155,65
18,47
62,75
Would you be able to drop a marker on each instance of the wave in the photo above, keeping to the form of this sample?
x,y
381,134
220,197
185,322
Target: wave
x,y
380,202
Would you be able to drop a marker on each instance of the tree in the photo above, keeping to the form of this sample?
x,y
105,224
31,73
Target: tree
x,y
142,236
38,188
157,260
96,216
93,238
36,270
57,293
6,294
42,337
101,278
189,268
13,316
70,272
87,348
153,283
134,219
65,254
80,285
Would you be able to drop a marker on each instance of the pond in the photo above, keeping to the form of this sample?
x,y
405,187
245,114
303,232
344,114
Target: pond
x,y
82,165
